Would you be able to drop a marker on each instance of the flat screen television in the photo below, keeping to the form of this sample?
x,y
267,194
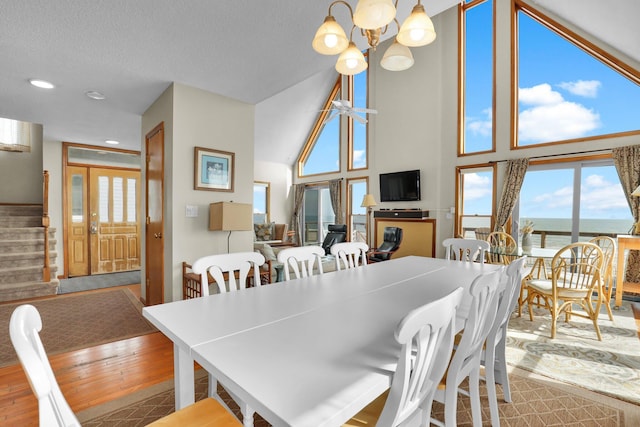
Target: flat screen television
x,y
400,186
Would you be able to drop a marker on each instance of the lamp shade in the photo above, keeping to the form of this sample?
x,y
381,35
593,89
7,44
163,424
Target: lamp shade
x,y
397,58
372,14
330,38
636,192
368,201
228,216
417,29
351,61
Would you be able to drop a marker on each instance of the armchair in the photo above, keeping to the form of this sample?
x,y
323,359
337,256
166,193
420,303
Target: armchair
x,y
391,243
337,234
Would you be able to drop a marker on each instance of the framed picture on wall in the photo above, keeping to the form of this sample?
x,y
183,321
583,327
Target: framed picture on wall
x,y
213,170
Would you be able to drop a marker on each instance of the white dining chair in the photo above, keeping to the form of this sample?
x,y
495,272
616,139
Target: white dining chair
x,y
301,260
24,328
426,336
349,254
469,250
494,352
216,266
485,292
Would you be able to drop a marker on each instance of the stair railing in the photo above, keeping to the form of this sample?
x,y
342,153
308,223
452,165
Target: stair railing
x,y
46,270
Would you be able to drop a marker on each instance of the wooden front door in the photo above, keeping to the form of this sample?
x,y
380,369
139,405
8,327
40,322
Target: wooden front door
x,y
114,220
154,253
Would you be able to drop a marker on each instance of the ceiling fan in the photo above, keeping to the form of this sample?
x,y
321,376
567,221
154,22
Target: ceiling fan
x,y
343,106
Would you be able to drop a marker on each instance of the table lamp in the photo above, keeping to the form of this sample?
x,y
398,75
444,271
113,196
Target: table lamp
x,y
229,216
368,202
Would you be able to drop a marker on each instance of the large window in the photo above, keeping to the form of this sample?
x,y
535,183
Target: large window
x,y
318,214
321,152
565,92
260,202
476,192
572,201
476,69
357,215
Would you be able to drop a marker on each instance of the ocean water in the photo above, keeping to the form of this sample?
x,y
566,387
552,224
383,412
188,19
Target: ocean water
x,y
591,226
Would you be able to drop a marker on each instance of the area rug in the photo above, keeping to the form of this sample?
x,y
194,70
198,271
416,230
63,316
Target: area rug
x,y
537,401
71,322
575,356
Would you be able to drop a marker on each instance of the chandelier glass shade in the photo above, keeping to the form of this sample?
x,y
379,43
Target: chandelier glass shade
x,y
373,17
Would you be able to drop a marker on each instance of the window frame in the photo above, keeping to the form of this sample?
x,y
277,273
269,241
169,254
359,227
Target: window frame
x,y
350,201
267,195
350,124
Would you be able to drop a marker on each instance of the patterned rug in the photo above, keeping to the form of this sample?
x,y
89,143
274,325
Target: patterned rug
x,y
537,401
75,321
575,356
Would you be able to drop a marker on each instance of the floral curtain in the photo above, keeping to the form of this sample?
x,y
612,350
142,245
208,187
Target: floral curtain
x,y
296,217
513,177
627,161
335,190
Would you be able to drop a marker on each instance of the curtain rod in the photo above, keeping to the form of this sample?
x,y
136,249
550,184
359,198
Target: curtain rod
x,y
602,150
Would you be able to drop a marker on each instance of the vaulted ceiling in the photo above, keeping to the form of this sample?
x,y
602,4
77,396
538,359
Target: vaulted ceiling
x,y
258,52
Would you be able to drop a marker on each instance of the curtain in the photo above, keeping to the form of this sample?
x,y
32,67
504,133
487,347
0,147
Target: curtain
x,y
513,177
335,187
296,217
627,161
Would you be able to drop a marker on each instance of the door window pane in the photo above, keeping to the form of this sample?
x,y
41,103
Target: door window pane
x,y
118,200
131,200
77,199
103,198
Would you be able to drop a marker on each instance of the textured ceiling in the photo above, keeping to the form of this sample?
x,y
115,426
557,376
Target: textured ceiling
x,y
245,49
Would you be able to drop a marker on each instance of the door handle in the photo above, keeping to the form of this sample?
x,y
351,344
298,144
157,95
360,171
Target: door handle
x,y
93,229
157,235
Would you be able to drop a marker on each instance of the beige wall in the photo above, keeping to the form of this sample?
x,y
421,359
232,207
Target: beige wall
x,y
194,117
21,173
279,178
52,154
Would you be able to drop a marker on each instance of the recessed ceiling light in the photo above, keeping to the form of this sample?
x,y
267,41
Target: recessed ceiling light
x,y
94,94
43,84
112,142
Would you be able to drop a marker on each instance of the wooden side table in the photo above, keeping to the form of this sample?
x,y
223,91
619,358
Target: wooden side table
x,y
624,242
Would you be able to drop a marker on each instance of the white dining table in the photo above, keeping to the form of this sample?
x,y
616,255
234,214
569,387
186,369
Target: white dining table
x,y
311,351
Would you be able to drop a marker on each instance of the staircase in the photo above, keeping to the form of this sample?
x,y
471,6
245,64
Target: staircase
x,y
22,253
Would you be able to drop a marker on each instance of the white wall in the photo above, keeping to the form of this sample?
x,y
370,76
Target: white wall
x,y
194,117
23,171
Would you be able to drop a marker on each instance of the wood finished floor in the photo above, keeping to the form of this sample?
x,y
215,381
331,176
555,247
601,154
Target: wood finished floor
x,y
97,375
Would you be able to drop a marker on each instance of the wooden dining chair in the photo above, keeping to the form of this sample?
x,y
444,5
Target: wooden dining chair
x,y
608,246
301,260
468,250
575,276
350,254
485,292
494,352
207,412
235,266
502,248
24,328
426,339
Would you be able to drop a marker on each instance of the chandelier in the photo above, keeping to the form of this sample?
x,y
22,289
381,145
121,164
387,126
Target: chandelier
x,y
372,18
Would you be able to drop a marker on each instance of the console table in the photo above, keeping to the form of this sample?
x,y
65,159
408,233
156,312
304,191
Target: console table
x,y
624,242
418,235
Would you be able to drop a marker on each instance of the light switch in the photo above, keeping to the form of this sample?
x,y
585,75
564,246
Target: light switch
x,y
192,211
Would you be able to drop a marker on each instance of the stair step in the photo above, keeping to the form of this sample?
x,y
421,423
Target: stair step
x,y
32,273
20,221
27,290
24,233
25,259
14,246
21,210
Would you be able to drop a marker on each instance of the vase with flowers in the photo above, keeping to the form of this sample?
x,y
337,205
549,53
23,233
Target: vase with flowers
x,y
526,231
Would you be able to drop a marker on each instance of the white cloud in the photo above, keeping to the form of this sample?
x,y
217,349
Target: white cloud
x,y
541,94
599,195
586,88
476,186
481,126
552,118
359,157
